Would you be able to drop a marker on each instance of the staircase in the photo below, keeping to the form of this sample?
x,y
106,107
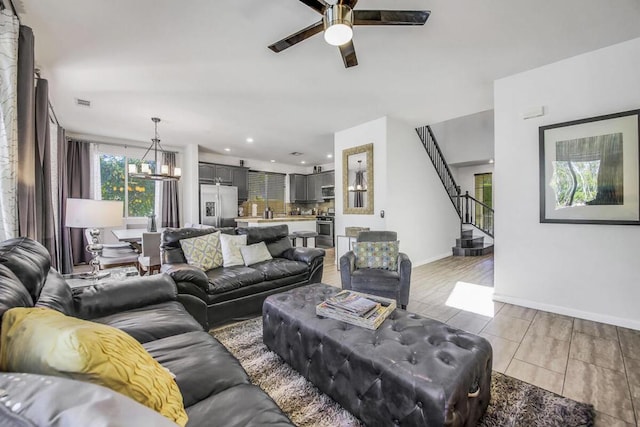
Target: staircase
x,y
474,215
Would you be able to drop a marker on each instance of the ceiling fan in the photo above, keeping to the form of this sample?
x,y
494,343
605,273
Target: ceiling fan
x,y
338,20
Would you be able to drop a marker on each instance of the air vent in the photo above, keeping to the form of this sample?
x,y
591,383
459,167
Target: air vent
x,y
83,102
296,153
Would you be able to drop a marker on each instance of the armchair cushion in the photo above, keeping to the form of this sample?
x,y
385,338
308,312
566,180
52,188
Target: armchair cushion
x,y
378,255
44,341
204,252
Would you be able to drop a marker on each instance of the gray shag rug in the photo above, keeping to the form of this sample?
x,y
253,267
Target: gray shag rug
x,y
514,403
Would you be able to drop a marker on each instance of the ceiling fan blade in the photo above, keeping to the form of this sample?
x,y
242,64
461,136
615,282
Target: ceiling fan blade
x,y
301,35
348,52
318,5
390,17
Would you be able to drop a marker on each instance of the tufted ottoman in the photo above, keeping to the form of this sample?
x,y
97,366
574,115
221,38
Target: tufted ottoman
x,y
411,371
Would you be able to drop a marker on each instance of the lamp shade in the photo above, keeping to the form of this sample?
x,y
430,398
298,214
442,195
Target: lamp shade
x,y
88,213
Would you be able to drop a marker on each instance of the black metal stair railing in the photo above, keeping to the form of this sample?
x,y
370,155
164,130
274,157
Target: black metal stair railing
x,y
476,213
470,210
440,164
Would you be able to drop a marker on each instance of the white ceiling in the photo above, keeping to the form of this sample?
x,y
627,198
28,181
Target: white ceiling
x,y
203,66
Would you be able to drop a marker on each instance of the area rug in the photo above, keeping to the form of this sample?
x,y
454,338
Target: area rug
x,y
514,403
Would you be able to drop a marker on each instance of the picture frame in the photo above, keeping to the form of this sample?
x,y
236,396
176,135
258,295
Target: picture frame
x,y
590,170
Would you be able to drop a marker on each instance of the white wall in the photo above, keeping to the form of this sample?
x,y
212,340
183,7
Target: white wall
x,y
418,207
465,177
371,132
466,139
588,271
407,188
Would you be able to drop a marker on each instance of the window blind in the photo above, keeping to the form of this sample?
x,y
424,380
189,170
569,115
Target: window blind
x,y
266,186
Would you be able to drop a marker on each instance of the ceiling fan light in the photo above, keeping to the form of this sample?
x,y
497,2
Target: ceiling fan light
x,y
338,34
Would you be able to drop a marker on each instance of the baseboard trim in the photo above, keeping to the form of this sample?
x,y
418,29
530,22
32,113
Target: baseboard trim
x,y
428,260
567,311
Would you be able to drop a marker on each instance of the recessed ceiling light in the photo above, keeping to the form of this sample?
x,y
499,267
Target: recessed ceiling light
x,y
491,161
227,149
329,156
303,162
273,161
249,140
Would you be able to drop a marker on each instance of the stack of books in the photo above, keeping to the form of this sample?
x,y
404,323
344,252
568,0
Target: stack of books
x,y
358,309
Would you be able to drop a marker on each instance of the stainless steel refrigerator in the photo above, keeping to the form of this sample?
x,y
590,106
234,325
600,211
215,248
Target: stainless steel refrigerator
x,y
218,205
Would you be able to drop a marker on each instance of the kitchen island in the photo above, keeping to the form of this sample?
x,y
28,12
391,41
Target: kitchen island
x,y
294,222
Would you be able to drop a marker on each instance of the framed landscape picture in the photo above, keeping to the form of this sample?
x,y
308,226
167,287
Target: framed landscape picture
x,y
590,170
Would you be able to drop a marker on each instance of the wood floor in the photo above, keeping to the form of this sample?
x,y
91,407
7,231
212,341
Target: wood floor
x,y
586,361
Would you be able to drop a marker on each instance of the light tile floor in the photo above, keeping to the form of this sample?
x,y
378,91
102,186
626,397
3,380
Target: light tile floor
x,y
583,360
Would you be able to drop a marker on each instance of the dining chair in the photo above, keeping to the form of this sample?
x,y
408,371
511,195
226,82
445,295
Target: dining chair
x,y
149,259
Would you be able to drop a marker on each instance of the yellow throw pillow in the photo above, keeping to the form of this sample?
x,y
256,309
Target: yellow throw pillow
x,y
204,252
44,341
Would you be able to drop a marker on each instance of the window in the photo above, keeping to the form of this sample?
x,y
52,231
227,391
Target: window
x,y
267,189
484,194
139,196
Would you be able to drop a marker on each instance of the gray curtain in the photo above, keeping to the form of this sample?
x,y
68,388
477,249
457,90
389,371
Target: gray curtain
x,y
44,196
27,222
358,197
77,174
170,208
66,260
9,29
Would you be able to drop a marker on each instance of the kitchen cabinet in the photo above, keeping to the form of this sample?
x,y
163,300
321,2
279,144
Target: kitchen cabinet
x,y
297,188
206,173
240,179
210,173
328,178
314,187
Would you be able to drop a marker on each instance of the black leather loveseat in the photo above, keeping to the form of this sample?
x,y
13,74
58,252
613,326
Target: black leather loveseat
x,y
214,387
225,293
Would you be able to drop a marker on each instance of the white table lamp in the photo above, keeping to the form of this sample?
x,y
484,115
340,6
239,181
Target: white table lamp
x,y
94,214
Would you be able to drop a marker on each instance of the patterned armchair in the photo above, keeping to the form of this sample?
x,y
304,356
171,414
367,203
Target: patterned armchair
x,y
374,268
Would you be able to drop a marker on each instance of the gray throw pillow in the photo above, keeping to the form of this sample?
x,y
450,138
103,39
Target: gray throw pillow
x,y
253,254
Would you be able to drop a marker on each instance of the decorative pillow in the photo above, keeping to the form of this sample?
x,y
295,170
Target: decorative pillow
x,y
231,245
203,252
44,341
382,255
254,254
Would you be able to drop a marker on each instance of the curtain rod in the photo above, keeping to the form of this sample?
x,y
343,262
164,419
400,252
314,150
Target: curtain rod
x,y
115,144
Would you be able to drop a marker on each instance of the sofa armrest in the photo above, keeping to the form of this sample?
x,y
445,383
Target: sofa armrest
x,y
404,270
187,273
306,255
104,299
347,267
196,307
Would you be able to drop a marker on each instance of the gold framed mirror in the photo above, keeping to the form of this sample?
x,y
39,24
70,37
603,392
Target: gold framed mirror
x,y
357,180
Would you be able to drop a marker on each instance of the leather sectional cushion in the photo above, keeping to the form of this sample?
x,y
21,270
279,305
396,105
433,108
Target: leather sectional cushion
x,y
28,260
241,406
264,234
153,322
228,278
278,268
56,294
14,294
201,365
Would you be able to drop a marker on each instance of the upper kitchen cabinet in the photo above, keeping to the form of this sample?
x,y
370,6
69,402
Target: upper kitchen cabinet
x,y
206,173
328,178
314,187
297,188
240,179
210,173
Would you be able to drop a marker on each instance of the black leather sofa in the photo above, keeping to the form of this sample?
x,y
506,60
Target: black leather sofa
x,y
215,388
225,293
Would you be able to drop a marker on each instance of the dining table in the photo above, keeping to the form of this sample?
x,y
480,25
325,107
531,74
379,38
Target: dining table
x,y
131,235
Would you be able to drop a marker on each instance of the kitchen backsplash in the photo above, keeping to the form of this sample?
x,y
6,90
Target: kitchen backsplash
x,y
279,207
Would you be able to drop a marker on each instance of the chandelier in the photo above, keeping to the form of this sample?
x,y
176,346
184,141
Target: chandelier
x,y
162,172
359,183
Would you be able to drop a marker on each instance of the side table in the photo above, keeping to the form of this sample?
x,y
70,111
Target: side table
x,y
75,280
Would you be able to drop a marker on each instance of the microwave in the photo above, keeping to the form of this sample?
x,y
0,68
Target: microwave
x,y
328,192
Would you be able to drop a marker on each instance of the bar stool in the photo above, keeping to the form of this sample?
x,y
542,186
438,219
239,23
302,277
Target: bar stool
x,y
304,235
293,238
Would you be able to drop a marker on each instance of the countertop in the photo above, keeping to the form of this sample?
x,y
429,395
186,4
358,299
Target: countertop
x,y
289,218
